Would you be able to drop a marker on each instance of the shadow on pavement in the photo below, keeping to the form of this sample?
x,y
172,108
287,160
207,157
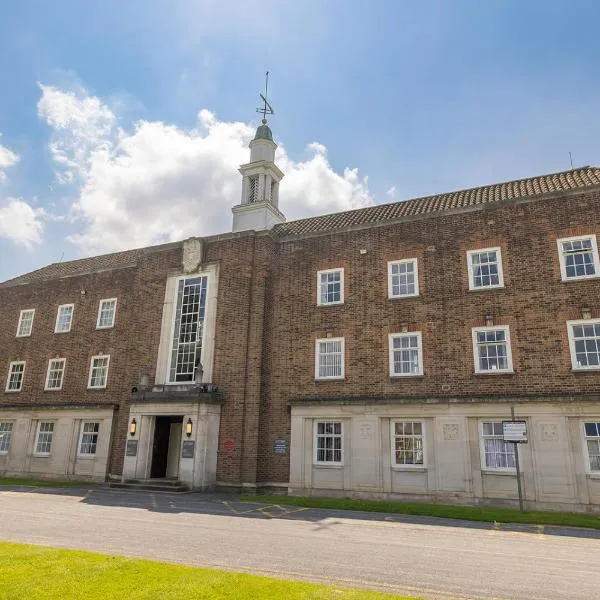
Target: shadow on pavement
x,y
227,505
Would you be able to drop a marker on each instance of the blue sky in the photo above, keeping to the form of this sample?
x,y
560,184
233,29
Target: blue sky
x,y
105,145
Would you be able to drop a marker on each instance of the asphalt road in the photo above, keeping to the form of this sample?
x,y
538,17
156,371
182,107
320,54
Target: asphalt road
x,y
430,558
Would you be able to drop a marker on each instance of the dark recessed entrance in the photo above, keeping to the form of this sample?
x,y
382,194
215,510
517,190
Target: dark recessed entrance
x,y
165,448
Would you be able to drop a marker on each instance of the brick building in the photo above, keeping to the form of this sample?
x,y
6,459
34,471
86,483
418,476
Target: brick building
x,y
372,352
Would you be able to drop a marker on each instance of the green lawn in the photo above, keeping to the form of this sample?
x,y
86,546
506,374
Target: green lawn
x,y
52,574
43,482
450,511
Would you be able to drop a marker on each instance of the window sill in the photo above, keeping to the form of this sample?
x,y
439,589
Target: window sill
x,y
409,469
487,288
410,376
330,304
23,336
86,457
36,455
96,387
326,379
12,391
493,373
408,296
326,466
105,327
594,475
584,278
69,331
53,389
589,370
501,472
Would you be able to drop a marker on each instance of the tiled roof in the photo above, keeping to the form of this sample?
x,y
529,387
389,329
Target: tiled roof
x,y
105,262
564,181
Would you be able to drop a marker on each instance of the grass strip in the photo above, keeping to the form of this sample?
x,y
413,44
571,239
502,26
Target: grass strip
x,y
51,483
449,511
53,574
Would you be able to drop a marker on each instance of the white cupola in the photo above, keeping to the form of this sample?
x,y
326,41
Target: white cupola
x,y
259,208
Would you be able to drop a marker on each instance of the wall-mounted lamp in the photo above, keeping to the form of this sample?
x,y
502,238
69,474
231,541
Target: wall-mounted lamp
x,y
489,320
586,313
189,426
404,327
132,427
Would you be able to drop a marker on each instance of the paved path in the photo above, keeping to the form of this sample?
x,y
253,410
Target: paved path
x,y
432,558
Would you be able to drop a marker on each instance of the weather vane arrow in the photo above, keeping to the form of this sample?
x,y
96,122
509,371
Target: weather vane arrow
x,y
267,109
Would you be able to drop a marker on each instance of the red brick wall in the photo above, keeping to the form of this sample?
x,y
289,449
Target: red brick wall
x,y
534,302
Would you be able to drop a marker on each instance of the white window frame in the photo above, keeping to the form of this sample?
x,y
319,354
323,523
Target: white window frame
x,y
82,433
317,355
585,439
339,270
393,435
3,433
561,257
570,325
472,286
391,338
10,369
114,314
482,439
390,264
37,438
316,435
509,361
96,357
63,306
22,314
62,378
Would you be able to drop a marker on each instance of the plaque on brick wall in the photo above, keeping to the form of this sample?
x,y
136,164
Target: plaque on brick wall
x,y
280,447
187,449
131,448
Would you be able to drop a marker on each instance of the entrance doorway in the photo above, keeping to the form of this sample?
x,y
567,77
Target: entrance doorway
x,y
165,447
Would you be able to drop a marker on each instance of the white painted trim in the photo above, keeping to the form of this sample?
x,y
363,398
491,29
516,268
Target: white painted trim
x,y
472,286
98,326
416,271
317,354
391,338
584,438
21,315
81,427
58,318
37,436
98,387
324,272
561,258
62,379
484,467
10,367
329,463
509,361
570,325
397,466
10,422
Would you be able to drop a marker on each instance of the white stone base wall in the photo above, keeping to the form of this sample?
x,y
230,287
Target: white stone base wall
x,y
64,460
555,471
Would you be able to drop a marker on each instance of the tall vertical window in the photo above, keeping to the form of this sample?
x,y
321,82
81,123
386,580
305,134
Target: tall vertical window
x,y
485,269
406,354
578,257
328,442
64,318
43,441
25,322
329,358
408,448
591,432
16,372
56,371
584,344
403,278
188,329
495,452
98,371
88,440
5,436
491,350
253,189
106,313
330,287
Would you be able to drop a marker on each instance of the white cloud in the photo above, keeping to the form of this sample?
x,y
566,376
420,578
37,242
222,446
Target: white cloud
x,y
157,182
20,223
391,192
7,159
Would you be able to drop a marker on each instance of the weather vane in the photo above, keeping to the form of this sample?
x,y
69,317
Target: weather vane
x,y
267,109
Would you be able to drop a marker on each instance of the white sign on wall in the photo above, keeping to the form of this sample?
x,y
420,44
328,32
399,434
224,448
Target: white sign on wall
x,y
514,431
